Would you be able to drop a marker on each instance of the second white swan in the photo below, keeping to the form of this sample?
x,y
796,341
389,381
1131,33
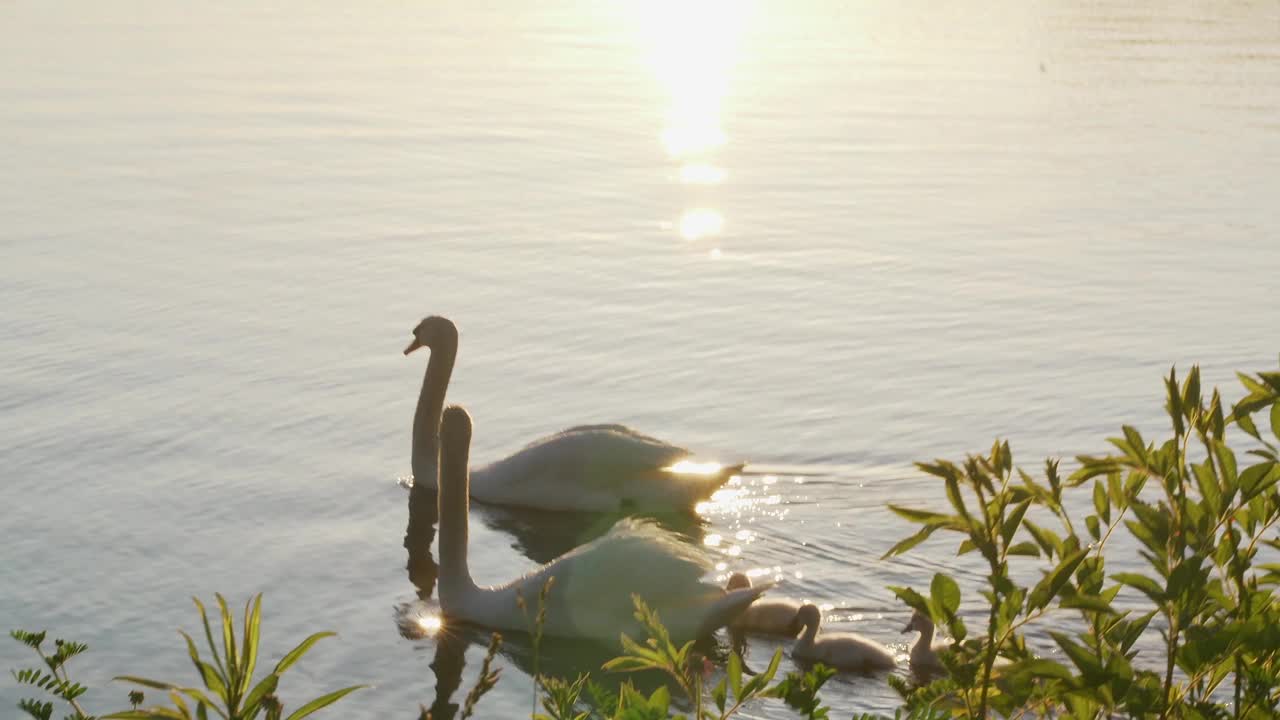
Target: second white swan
x,y
602,468
591,596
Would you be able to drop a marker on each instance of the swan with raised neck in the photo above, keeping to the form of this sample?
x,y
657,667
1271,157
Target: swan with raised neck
x,y
603,468
591,586
924,653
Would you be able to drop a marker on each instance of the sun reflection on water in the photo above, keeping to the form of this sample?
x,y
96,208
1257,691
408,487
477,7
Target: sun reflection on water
x,y
692,47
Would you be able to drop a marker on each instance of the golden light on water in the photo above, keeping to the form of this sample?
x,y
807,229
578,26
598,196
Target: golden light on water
x,y
692,47
697,224
692,467
701,174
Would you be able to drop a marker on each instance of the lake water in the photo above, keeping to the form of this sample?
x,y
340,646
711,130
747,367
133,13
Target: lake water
x,y
830,238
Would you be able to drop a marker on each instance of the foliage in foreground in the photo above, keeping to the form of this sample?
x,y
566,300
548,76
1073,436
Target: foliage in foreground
x,y
55,681
229,691
1198,516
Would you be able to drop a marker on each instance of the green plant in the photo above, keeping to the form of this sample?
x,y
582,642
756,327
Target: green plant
x,y
229,691
800,691
1198,520
55,682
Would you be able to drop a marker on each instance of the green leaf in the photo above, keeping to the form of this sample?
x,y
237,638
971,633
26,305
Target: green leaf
x,y
1275,420
1246,423
208,635
249,652
957,500
946,593
1101,502
1052,583
155,713
1142,584
1095,529
1088,602
720,693
1088,664
264,687
212,680
324,701
1011,522
906,544
925,516
1047,539
734,672
1191,399
913,599
1028,549
1257,479
296,654
146,682
229,642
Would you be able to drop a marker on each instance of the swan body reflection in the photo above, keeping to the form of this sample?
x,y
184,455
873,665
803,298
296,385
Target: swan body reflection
x,y
599,468
591,596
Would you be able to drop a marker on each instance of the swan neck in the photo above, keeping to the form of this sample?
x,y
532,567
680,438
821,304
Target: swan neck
x,y
926,637
810,632
455,577
426,419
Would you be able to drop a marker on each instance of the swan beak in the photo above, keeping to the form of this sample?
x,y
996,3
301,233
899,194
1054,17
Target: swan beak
x,y
413,346
906,629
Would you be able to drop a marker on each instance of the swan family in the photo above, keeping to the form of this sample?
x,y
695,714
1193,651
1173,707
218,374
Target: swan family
x,y
587,593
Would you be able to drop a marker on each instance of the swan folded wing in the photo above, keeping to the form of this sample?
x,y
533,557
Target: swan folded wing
x,y
592,467
592,594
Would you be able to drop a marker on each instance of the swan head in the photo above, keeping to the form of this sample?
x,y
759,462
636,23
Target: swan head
x,y
919,622
738,581
455,433
433,332
807,616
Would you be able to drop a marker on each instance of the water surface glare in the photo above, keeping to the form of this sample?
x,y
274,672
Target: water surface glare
x,y
829,238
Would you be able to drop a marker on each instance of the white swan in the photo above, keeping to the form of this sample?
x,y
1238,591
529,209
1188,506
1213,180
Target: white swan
x,y
765,616
924,653
842,651
591,597
601,468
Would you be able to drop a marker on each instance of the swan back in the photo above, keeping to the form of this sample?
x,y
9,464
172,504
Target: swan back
x,y
769,617
596,468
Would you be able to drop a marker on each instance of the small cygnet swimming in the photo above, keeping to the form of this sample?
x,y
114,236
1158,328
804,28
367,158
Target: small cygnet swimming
x,y
924,654
842,651
764,616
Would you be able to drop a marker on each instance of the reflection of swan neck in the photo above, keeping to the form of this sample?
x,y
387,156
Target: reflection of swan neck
x,y
426,419
455,577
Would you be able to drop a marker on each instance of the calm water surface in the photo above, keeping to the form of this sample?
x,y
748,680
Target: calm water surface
x,y
831,238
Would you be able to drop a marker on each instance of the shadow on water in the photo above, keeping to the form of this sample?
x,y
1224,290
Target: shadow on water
x,y
541,536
